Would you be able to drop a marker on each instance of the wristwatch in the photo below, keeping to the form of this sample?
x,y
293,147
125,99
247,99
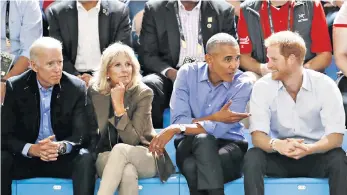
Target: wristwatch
x,y
62,148
182,129
272,141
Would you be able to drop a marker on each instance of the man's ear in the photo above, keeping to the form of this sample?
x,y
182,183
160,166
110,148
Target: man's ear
x,y
208,59
33,65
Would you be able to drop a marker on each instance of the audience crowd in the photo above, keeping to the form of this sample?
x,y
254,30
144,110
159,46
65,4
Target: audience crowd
x,y
84,84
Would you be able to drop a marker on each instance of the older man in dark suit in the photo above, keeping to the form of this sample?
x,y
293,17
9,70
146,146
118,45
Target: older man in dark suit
x,y
44,132
86,28
174,33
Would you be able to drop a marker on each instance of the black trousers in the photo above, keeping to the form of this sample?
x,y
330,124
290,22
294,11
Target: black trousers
x,y
78,167
332,164
162,89
208,163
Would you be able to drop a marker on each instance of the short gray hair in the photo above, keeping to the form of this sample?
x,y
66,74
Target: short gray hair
x,y
220,38
43,43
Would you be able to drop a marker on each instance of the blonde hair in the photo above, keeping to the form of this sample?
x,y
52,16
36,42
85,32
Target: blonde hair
x,y
289,43
100,82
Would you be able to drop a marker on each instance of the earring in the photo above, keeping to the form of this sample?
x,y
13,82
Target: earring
x,y
108,78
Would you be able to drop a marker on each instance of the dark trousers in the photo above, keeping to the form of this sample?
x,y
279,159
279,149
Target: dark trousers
x,y
162,89
207,163
332,164
78,167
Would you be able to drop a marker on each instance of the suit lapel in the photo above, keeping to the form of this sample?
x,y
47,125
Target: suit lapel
x,y
72,22
172,31
34,96
104,20
57,102
209,23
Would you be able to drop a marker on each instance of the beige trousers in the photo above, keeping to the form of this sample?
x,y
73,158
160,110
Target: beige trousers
x,y
122,167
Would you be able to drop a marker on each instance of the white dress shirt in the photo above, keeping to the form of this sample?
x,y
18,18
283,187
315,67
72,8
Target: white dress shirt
x,y
317,112
88,49
190,28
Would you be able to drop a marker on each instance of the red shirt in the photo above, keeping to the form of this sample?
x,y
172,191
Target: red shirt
x,y
46,3
319,32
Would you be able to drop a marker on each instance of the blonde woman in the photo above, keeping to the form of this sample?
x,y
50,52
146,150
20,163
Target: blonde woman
x,y
122,104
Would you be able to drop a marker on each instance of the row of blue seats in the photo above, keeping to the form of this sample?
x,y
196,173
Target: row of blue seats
x,y
177,184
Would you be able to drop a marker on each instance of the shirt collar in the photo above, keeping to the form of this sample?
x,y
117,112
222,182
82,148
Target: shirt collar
x,y
306,82
80,6
203,75
181,6
42,89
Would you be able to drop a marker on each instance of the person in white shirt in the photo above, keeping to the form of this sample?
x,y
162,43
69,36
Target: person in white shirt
x,y
339,38
86,28
297,121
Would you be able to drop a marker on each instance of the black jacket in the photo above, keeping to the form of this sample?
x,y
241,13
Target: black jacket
x,y
160,37
114,26
21,112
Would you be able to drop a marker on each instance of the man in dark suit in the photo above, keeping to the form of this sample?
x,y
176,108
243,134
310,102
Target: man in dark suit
x,y
86,28
174,33
44,132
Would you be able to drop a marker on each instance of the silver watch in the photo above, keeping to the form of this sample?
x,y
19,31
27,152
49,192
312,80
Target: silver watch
x,y
182,129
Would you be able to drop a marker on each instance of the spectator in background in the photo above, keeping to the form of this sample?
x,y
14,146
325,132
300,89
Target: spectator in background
x,y
340,39
305,17
330,9
340,49
207,105
174,33
44,4
43,129
21,25
122,104
291,137
86,28
236,4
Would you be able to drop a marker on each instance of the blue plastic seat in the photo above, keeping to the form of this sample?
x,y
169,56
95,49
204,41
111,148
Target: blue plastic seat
x,y
135,7
274,186
332,70
166,118
36,186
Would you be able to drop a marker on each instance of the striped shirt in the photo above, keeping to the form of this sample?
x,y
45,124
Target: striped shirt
x,y
190,27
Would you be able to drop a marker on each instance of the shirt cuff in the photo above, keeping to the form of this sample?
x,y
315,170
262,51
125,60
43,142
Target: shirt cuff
x,y
164,71
26,150
209,126
335,129
84,151
68,147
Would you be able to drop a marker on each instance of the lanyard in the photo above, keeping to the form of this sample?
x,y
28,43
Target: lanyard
x,y
183,40
7,19
270,18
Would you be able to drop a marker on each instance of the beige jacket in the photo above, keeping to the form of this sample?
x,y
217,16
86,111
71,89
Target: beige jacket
x,y
135,127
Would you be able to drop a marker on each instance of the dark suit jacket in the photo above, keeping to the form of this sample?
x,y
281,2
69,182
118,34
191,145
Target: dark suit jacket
x,y
114,25
20,115
160,38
